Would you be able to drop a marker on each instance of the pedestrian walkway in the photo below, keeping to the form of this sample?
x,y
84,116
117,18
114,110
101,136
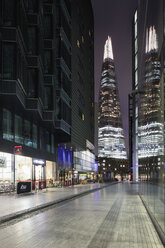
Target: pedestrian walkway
x,y
114,217
13,204
127,223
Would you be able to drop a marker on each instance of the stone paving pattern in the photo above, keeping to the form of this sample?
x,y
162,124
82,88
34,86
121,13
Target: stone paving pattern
x,y
11,203
113,217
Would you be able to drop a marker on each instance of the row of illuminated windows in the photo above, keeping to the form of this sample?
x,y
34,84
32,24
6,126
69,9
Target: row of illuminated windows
x,y
24,132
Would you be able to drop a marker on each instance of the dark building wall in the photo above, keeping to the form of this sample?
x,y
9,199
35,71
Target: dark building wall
x,y
63,71
35,76
82,73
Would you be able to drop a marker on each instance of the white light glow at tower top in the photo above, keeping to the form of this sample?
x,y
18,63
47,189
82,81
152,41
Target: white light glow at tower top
x,y
108,53
151,39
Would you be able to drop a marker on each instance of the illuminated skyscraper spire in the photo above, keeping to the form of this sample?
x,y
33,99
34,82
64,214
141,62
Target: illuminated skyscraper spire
x,y
108,53
151,39
111,143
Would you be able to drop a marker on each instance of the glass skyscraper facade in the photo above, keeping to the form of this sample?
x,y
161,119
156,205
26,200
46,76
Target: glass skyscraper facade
x,y
111,142
148,98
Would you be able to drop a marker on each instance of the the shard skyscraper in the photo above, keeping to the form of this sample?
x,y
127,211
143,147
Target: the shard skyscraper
x,y
111,143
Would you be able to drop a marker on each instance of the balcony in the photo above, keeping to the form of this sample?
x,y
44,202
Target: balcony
x,y
9,34
61,63
13,88
62,94
65,39
48,116
65,10
61,124
35,105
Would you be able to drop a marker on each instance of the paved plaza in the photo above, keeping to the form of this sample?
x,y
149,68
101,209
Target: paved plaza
x,y
113,217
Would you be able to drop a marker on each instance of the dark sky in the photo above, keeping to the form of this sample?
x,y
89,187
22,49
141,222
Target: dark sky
x,y
113,18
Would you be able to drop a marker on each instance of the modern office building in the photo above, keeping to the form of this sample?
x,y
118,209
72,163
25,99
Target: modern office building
x,y
148,105
27,92
82,134
151,127
38,129
111,143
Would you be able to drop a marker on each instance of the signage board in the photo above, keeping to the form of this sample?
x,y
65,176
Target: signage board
x,y
2,162
23,187
18,149
39,162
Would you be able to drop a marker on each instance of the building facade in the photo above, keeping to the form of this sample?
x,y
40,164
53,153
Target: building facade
x,y
148,104
37,124
82,135
111,143
27,92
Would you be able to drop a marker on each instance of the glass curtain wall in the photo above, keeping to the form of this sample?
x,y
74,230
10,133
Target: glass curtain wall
x,y
151,108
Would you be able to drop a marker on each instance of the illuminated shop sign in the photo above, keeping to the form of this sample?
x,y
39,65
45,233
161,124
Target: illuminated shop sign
x,y
18,149
2,162
39,162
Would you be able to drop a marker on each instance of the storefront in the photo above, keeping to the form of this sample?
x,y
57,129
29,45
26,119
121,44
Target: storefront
x,y
65,160
6,168
40,172
65,176
51,173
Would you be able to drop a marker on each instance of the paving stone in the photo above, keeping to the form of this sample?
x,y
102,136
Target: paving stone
x,y
113,217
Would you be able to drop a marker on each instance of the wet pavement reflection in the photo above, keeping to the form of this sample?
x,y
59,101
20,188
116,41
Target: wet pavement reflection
x,y
111,217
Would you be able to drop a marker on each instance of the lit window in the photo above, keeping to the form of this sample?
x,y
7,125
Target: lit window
x,y
83,117
78,43
82,38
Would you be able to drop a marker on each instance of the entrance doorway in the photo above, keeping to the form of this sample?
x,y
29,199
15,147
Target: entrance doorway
x,y
39,174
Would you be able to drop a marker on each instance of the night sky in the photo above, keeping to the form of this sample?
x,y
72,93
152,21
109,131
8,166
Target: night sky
x,y
114,18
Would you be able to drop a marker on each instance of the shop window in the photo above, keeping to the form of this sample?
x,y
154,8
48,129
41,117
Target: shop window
x,y
50,173
27,133
7,125
23,168
34,136
18,129
9,64
6,170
